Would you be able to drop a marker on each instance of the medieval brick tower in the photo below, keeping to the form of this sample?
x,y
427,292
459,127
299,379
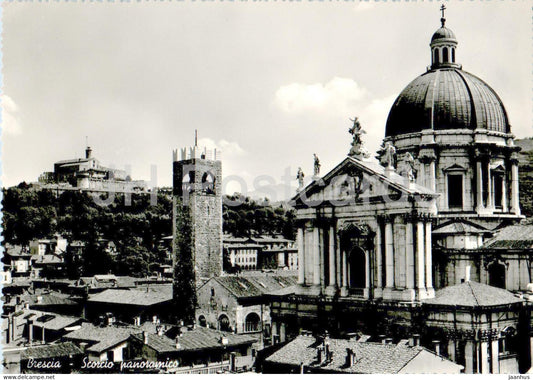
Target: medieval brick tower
x,y
197,223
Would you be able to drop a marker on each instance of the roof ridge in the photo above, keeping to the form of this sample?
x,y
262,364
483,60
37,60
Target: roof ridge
x,y
473,293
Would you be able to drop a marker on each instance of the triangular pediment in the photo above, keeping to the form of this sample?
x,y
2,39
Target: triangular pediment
x,y
354,179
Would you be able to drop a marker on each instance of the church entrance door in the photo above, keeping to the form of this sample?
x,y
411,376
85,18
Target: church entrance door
x,y
357,268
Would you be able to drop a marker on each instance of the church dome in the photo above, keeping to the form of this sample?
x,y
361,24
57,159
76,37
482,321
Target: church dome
x,y
447,98
443,33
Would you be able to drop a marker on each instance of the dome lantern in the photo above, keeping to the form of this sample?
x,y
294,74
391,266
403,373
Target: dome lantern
x,y
443,45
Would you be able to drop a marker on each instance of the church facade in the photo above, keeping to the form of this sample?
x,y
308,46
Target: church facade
x,y
395,250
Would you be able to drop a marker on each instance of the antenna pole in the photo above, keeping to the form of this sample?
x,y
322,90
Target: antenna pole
x,y
196,137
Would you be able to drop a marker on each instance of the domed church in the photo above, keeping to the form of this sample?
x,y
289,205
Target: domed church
x,y
404,249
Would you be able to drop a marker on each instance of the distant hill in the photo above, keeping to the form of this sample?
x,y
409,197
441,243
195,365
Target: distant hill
x,y
526,175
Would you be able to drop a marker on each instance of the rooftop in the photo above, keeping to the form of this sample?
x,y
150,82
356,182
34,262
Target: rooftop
x,y
459,227
152,295
200,338
370,358
51,351
512,237
101,338
472,294
256,284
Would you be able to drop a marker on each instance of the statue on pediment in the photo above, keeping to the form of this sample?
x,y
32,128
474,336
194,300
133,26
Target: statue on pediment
x,y
300,177
357,150
316,171
387,155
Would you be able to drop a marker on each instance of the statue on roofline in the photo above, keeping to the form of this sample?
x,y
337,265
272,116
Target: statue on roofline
x,y
357,150
316,171
300,177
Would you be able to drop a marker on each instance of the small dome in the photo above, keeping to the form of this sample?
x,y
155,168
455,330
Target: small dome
x,y
444,99
443,33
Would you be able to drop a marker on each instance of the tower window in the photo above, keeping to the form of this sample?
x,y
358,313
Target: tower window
x,y
453,55
445,54
208,183
498,190
436,56
455,191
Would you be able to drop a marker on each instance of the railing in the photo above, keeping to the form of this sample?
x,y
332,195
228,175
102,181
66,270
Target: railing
x,y
357,292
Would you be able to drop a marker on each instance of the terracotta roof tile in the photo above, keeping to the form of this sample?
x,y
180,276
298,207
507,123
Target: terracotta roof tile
x,y
51,351
370,358
472,294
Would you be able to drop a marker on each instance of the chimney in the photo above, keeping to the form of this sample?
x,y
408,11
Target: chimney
x,y
388,340
39,299
382,338
416,340
30,332
154,319
350,357
319,354
145,337
436,346
83,346
88,152
467,273
26,306
178,345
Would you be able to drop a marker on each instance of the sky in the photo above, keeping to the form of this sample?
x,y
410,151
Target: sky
x,y
268,83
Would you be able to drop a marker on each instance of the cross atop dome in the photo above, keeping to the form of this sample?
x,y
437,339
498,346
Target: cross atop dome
x,y
442,20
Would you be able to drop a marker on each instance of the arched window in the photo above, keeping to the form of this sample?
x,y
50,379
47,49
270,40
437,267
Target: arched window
x,y
497,275
208,183
252,323
187,182
436,56
445,55
223,323
453,55
202,321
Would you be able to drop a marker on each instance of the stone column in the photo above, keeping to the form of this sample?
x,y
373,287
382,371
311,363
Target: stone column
x,y
282,334
490,202
484,362
432,175
301,256
429,264
321,256
332,270
379,258
420,256
338,257
451,350
515,200
479,187
505,206
495,356
344,271
410,253
316,256
389,255
469,357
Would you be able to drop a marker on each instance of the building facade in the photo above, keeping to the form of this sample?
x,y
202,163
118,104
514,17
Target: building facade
x,y
396,249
